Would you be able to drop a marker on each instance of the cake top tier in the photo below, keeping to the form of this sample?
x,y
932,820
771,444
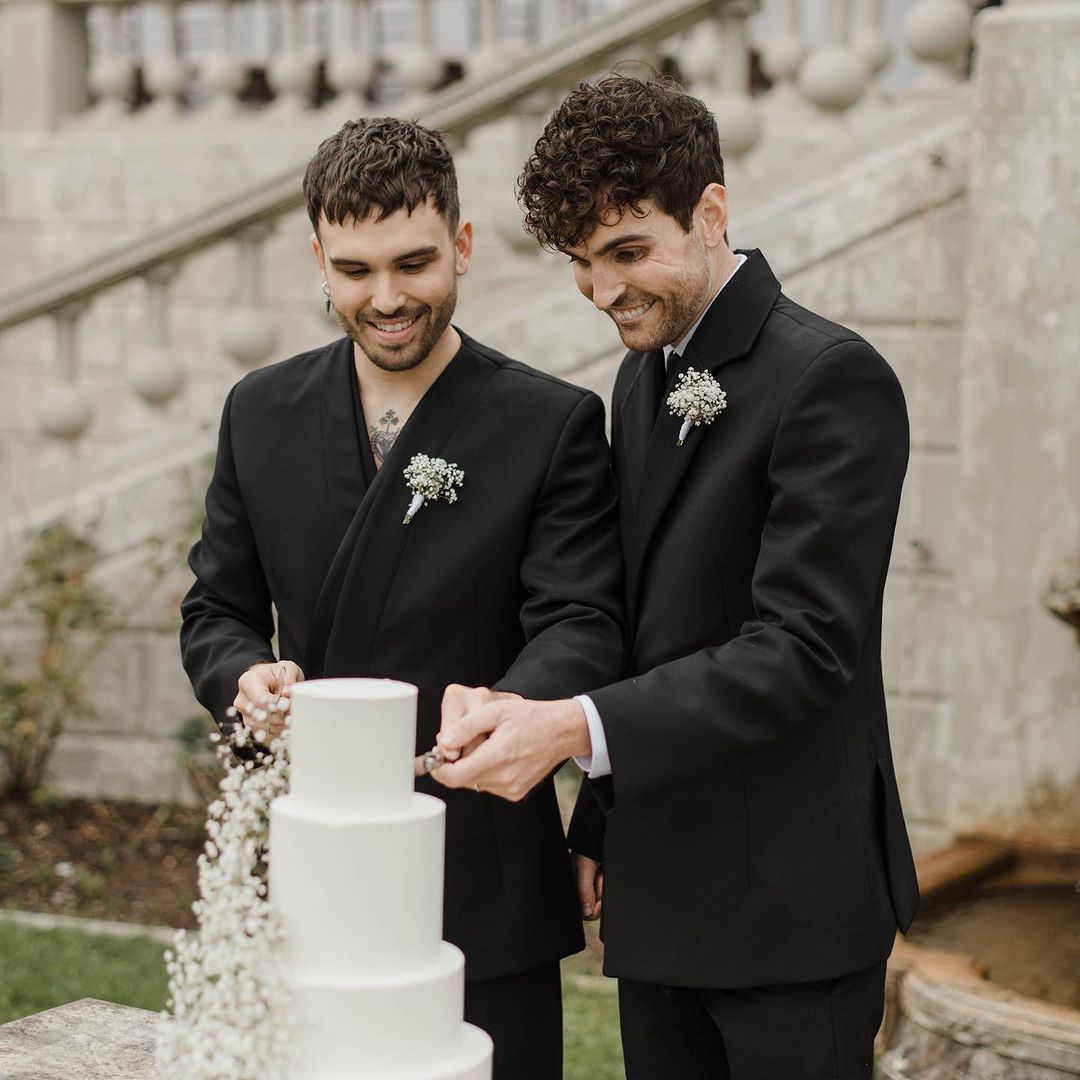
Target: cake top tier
x,y
352,747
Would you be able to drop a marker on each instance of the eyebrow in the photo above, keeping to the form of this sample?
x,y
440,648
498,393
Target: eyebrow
x,y
632,238
417,253
611,245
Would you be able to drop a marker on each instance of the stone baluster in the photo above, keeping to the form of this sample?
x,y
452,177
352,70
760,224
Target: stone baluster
x,y
110,76
65,410
43,58
291,72
488,55
562,17
164,76
782,53
155,374
872,45
938,32
717,64
248,336
419,65
644,51
531,113
222,69
833,76
349,68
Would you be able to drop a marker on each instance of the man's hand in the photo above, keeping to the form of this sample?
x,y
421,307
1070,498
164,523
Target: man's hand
x,y
262,684
457,702
521,742
590,886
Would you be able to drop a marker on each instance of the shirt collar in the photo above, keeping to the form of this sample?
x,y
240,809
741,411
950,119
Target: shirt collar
x,y
680,345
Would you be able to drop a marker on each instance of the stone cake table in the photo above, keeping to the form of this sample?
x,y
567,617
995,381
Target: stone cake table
x,y
87,1039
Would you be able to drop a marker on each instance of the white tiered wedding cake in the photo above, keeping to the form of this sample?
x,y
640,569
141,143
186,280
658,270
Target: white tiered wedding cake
x,y
356,873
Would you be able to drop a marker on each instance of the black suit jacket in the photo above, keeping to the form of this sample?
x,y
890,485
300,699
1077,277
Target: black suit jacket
x,y
751,830
517,584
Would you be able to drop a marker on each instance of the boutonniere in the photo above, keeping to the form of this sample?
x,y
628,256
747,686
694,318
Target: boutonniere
x,y
431,479
697,398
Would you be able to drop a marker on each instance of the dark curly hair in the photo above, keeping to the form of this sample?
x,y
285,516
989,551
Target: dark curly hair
x,y
377,166
611,145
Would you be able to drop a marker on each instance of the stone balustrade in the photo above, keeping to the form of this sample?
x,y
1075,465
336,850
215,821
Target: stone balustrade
x,y
459,64
116,61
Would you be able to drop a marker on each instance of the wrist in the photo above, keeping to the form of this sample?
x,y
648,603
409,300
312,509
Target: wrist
x,y
574,730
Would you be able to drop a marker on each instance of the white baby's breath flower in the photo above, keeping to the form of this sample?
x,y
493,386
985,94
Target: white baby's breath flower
x,y
431,479
228,994
697,398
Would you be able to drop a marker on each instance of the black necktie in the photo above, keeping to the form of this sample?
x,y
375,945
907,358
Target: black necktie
x,y
657,375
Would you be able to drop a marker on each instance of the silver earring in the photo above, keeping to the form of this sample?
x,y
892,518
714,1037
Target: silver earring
x,y
326,293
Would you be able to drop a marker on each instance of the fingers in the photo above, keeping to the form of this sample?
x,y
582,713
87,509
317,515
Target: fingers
x,y
589,885
458,701
263,685
488,768
466,728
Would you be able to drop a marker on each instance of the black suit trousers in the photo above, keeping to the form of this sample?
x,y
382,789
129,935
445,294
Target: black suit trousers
x,y
804,1031
523,1015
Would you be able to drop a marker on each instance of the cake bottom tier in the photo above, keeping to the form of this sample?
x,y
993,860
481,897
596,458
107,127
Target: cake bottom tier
x,y
470,1060
389,1027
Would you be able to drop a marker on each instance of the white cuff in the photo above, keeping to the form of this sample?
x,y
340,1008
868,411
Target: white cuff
x,y
597,763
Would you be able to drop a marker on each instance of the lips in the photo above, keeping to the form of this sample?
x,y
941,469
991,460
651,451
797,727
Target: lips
x,y
393,331
623,315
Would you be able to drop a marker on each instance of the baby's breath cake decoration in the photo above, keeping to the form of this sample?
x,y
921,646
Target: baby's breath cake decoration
x,y
230,1011
697,398
431,479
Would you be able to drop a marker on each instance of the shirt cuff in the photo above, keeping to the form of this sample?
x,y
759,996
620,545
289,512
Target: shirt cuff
x,y
597,763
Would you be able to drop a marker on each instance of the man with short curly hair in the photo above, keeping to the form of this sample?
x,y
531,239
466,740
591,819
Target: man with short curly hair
x,y
740,828
517,582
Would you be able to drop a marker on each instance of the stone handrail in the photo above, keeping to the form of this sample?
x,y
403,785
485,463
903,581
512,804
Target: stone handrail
x,y
454,111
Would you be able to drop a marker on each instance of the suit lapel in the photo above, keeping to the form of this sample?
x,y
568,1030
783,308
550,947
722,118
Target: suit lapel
x,y
636,415
352,597
727,333
345,482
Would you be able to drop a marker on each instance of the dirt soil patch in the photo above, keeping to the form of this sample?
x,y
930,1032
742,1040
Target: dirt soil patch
x,y
98,859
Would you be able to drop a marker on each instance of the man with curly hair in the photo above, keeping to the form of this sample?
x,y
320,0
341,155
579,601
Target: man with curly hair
x,y
740,827
516,582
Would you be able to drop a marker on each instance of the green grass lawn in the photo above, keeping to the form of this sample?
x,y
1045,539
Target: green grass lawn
x,y
43,968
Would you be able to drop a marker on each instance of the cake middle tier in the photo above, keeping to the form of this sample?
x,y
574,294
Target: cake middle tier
x,y
358,897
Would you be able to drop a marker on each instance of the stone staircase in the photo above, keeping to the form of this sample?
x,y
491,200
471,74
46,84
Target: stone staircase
x,y
861,217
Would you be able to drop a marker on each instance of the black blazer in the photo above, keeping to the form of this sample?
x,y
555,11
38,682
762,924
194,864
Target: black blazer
x,y
517,584
751,830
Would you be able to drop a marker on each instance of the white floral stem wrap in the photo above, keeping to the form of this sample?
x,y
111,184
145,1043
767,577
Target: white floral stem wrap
x,y
431,479
697,398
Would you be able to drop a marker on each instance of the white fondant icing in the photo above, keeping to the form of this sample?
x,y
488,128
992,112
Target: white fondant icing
x,y
356,872
361,896
352,745
383,1024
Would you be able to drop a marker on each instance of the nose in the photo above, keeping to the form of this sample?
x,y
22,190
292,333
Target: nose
x,y
607,289
388,298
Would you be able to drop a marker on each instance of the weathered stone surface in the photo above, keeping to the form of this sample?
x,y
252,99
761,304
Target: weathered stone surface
x,y
954,1024
86,1039
1017,670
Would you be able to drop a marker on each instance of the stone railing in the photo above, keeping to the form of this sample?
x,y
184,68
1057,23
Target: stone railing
x,y
111,61
705,41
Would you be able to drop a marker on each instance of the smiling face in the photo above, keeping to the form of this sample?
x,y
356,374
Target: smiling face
x,y
651,276
393,282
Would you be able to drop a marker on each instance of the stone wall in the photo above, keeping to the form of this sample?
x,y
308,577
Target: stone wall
x,y
871,235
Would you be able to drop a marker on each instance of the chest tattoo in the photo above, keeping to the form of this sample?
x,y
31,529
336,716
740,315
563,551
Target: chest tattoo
x,y
382,436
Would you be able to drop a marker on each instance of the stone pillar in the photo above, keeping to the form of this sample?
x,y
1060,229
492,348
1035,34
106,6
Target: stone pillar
x,y
43,69
1016,744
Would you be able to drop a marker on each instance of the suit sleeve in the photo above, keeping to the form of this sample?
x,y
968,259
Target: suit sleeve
x,y
571,571
227,618
835,471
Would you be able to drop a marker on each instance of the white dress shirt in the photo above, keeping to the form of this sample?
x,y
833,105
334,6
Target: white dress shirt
x,y
598,763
